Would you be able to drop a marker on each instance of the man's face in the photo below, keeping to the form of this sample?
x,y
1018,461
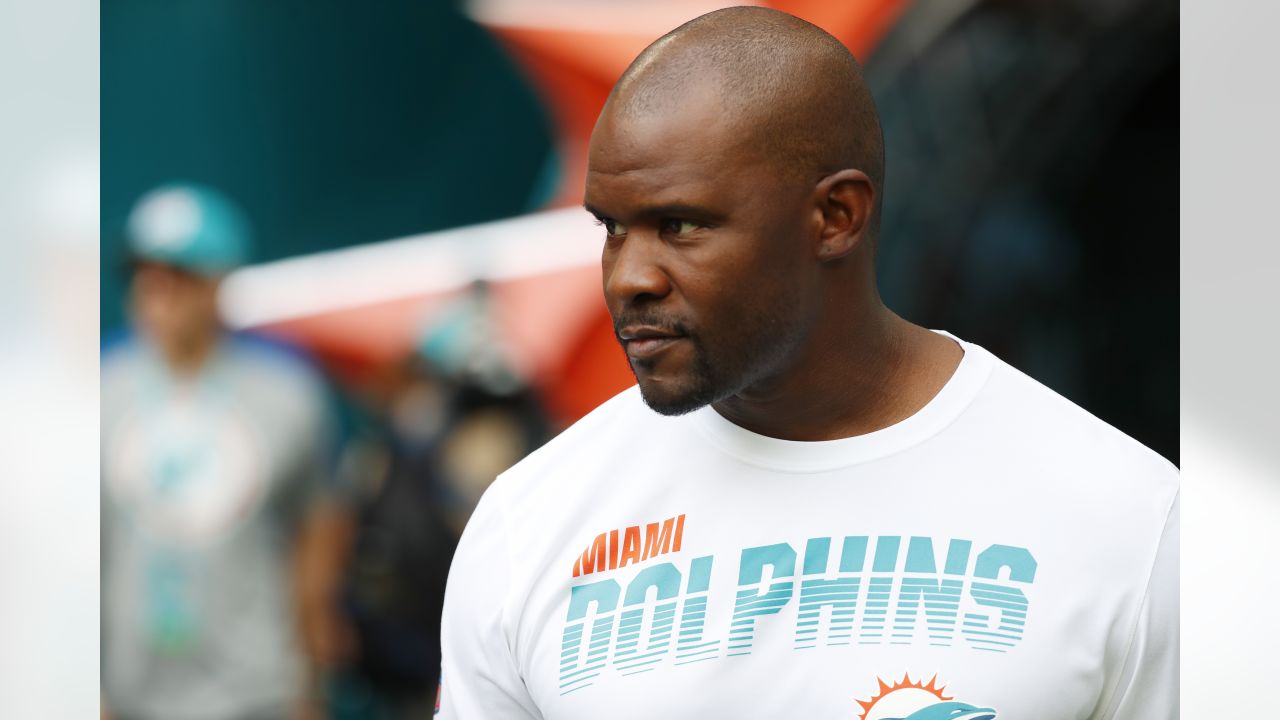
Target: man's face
x,y
705,267
171,306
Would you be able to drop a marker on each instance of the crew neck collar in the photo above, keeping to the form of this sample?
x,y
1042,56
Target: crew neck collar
x,y
819,456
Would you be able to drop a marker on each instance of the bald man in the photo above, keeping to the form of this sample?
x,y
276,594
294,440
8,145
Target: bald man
x,y
809,507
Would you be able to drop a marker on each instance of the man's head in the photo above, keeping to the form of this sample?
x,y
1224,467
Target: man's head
x,y
736,167
182,240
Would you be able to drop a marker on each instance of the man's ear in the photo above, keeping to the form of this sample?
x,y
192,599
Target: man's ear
x,y
845,201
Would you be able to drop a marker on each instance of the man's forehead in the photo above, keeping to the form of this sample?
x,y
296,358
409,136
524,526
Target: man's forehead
x,y
673,157
685,104
682,144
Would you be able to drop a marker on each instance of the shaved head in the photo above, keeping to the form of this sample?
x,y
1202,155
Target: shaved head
x,y
735,169
786,87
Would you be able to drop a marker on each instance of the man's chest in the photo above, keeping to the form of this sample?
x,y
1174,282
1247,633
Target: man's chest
x,y
703,614
193,468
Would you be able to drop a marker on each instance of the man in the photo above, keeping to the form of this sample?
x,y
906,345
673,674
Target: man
x,y
216,510
832,513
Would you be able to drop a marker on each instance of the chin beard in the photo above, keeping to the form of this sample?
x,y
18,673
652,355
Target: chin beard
x,y
701,391
679,405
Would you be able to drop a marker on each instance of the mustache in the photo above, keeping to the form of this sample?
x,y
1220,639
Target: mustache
x,y
665,323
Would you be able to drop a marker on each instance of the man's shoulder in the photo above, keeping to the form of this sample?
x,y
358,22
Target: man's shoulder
x,y
604,426
122,359
117,350
596,441
1023,409
275,369
545,495
271,354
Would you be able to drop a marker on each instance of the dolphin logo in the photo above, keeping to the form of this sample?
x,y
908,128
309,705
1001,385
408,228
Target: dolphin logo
x,y
951,711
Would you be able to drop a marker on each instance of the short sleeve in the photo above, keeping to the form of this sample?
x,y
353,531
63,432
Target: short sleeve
x,y
1148,685
479,679
313,479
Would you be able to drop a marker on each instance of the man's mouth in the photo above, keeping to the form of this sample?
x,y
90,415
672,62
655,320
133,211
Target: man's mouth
x,y
648,348
645,343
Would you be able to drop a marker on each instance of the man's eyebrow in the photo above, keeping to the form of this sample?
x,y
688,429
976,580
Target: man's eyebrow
x,y
666,210
678,210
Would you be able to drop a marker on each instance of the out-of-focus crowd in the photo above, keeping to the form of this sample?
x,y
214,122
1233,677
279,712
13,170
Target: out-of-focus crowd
x,y
276,544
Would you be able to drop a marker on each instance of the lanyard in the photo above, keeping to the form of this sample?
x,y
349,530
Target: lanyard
x,y
181,421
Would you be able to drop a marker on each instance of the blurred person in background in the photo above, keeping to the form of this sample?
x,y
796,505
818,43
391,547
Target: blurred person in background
x,y
435,430
495,416
222,533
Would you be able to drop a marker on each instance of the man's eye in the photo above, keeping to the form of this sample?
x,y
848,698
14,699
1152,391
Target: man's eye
x,y
678,227
612,227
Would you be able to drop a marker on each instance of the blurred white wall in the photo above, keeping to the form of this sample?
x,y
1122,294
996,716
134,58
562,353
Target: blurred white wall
x,y
1230,542
1230,346
48,359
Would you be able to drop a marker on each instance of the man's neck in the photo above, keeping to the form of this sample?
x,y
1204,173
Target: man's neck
x,y
185,358
871,375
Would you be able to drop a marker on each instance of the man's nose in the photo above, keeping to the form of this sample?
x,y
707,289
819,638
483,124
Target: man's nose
x,y
634,271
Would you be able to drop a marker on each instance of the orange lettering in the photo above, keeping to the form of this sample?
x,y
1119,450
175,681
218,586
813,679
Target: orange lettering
x,y
630,546
593,558
655,542
660,538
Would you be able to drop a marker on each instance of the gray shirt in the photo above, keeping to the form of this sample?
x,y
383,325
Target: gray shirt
x,y
204,482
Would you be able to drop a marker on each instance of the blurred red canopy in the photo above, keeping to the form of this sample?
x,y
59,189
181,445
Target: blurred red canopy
x,y
574,54
557,329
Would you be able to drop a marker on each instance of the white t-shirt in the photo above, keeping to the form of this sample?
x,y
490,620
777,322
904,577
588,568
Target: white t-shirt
x,y
1000,554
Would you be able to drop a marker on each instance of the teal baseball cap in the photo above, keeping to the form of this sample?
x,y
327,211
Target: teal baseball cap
x,y
189,226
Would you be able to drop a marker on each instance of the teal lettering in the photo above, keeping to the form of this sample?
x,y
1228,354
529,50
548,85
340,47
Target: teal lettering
x,y
752,603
